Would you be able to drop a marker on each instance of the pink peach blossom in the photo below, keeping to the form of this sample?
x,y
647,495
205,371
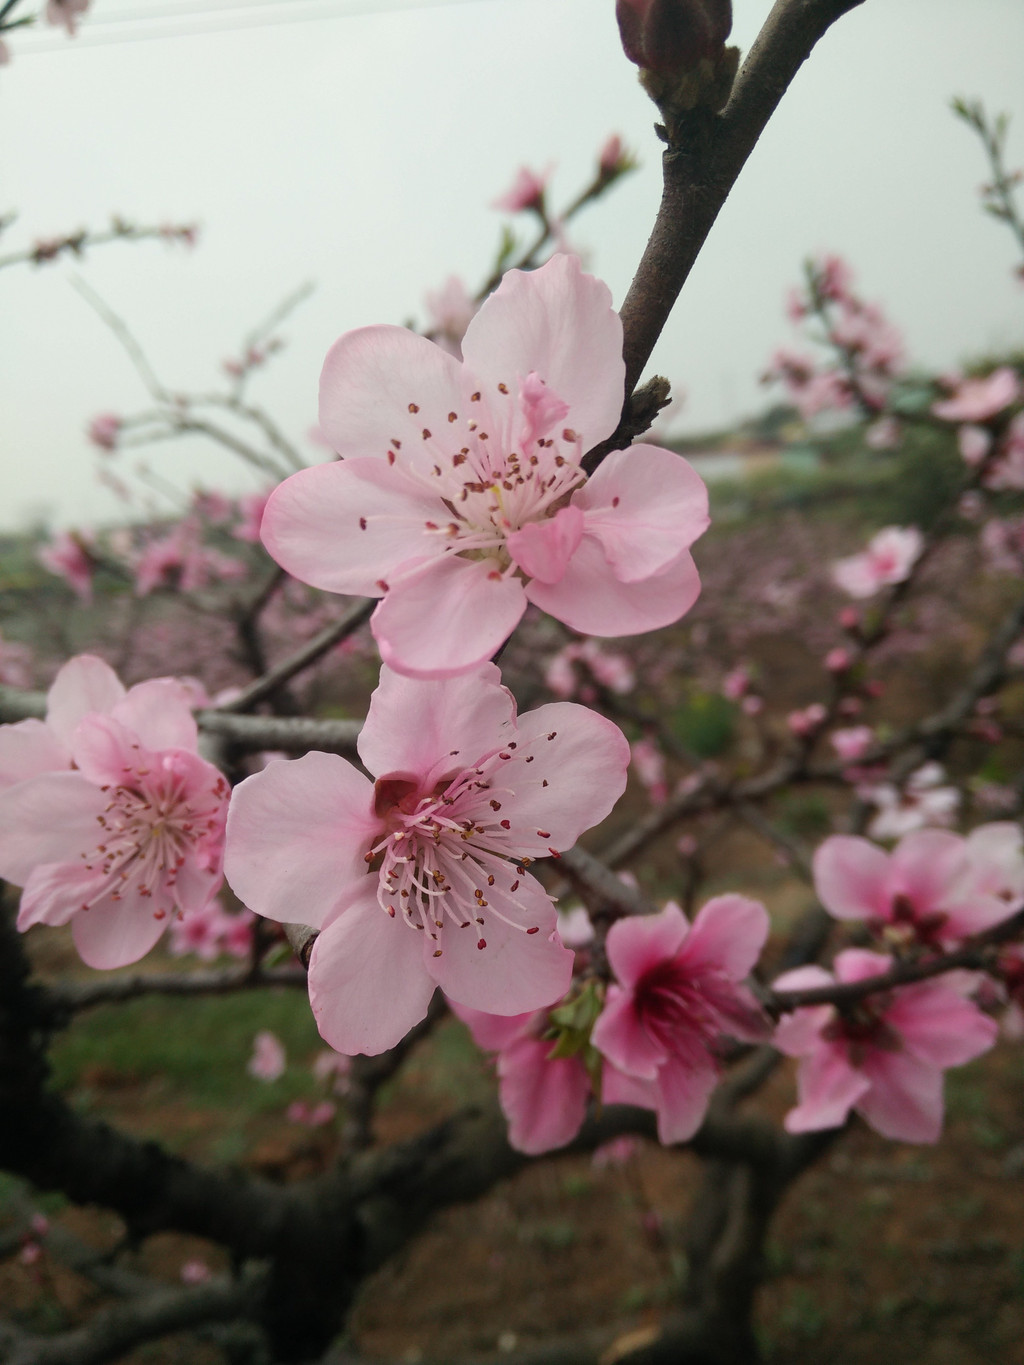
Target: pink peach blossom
x,y
105,429
525,192
268,1060
806,722
678,992
419,880
69,556
544,1098
976,400
613,157
853,743
890,556
934,888
127,763
461,497
883,1057
922,801
451,310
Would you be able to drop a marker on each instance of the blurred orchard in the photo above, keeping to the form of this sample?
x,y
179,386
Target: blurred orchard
x,y
466,902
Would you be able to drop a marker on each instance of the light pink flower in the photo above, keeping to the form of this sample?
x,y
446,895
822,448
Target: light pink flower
x,y
890,556
451,310
648,763
806,722
853,743
310,1115
679,991
197,931
105,429
921,802
933,888
460,497
180,560
68,555
129,836
736,684
976,400
419,880
544,1098
268,1060
884,1057
525,192
838,660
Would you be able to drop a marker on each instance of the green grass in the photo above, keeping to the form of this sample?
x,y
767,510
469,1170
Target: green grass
x,y
198,1048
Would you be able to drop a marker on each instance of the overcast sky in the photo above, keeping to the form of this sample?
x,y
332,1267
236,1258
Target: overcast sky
x,y
359,145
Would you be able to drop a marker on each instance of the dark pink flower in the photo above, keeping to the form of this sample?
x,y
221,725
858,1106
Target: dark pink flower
x,y
883,1057
544,1098
678,992
525,192
419,879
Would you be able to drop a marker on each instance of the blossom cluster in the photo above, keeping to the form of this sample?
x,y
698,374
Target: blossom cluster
x,y
461,496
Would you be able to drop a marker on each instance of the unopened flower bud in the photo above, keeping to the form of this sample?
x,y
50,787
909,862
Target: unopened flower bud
x,y
670,37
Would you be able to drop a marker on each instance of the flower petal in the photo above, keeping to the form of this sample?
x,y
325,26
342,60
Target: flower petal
x,y
447,617
380,383
48,819
492,1032
542,549
423,726
640,942
27,749
828,1088
851,877
619,1035
558,323
348,527
158,711
644,505
577,773
938,1026
544,1100
114,933
84,684
591,599
514,971
905,1099
296,838
367,986
683,1093
728,935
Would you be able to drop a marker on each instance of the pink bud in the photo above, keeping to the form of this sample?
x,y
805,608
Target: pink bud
x,y
671,37
838,660
849,618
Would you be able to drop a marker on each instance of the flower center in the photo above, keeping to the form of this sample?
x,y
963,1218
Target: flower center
x,y
151,829
447,858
